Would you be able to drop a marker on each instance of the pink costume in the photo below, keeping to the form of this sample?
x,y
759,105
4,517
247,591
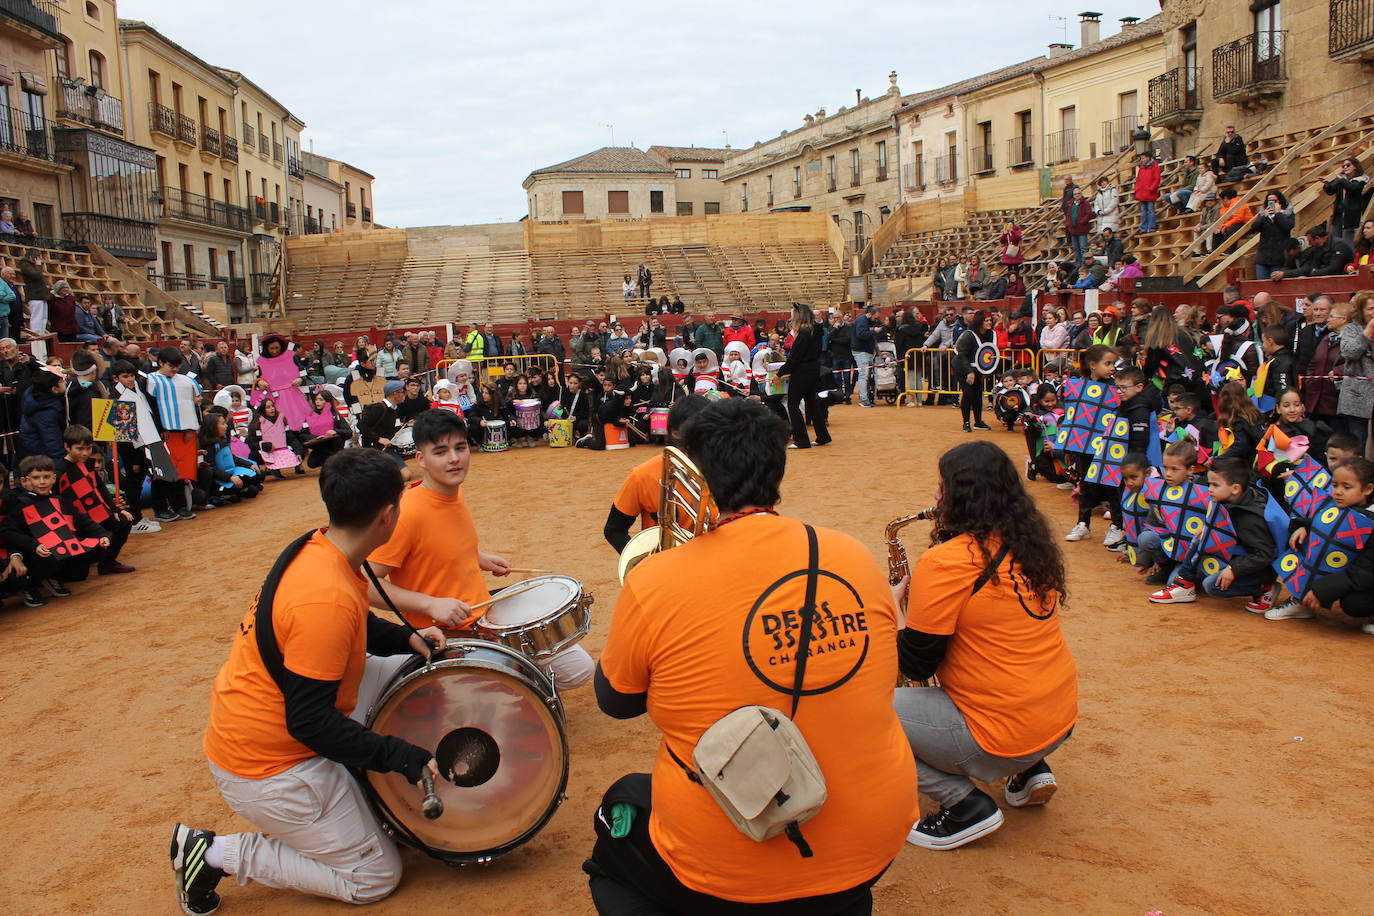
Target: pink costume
x,y
280,371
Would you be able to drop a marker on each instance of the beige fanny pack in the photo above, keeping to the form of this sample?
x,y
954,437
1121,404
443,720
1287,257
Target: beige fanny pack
x,y
755,761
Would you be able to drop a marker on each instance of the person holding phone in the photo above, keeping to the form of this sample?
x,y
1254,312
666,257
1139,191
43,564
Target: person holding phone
x,y
1274,225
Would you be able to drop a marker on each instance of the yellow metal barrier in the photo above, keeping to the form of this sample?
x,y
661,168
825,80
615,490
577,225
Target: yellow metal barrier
x,y
487,369
929,372
1069,356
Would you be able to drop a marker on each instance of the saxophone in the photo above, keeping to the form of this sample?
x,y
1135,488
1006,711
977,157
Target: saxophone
x,y
899,567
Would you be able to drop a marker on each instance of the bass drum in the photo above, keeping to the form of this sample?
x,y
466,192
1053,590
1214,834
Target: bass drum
x,y
495,723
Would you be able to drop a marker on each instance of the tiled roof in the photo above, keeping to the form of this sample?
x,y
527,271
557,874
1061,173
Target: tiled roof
x,y
611,159
689,153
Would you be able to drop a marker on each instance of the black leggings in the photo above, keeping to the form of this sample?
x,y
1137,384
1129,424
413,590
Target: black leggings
x,y
1091,495
971,398
806,390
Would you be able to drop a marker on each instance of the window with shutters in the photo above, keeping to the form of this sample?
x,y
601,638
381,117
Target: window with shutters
x,y
617,201
572,203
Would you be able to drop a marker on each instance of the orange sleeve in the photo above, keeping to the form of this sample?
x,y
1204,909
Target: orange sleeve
x,y
939,591
317,641
625,657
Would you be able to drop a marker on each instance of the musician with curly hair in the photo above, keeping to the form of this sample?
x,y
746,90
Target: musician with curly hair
x,y
982,615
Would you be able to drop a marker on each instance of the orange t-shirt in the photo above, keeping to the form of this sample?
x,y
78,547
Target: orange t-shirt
x,y
1006,666
700,659
641,492
434,550
319,617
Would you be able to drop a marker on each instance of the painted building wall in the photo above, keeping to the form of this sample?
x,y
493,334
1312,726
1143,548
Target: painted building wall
x,y
545,195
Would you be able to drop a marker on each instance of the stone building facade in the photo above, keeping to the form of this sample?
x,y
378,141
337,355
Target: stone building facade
x,y
1266,67
696,177
30,168
843,164
614,182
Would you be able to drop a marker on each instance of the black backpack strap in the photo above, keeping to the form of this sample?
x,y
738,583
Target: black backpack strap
x,y
991,569
808,616
391,605
262,619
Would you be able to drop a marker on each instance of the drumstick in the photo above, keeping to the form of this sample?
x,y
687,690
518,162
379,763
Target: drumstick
x,y
507,592
528,572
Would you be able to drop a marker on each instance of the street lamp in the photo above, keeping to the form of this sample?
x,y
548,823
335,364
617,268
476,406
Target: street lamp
x,y
1141,138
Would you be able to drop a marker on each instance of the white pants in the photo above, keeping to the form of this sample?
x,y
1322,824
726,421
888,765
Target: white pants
x,y
38,316
324,838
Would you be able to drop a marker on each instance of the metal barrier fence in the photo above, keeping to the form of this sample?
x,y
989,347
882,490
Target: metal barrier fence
x,y
930,371
490,368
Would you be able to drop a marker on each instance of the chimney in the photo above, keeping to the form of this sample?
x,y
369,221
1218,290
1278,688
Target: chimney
x,y
1090,24
1057,49
1128,22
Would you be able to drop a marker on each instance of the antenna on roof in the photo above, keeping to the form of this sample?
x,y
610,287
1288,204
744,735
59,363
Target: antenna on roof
x,y
727,138
1063,25
611,128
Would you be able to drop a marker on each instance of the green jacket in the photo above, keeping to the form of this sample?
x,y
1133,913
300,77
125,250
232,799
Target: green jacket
x,y
710,336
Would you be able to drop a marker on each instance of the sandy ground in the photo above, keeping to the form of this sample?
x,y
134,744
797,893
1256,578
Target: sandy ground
x,y
1218,766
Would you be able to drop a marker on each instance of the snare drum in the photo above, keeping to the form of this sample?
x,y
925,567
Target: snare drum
x,y
494,439
560,433
496,725
658,422
527,413
404,441
543,616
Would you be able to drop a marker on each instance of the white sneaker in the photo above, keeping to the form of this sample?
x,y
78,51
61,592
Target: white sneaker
x,y
1079,533
1107,514
1291,610
1174,594
1367,628
1114,537
1066,485
145,526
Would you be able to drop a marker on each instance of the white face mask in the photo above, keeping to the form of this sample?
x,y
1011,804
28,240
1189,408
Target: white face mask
x,y
85,383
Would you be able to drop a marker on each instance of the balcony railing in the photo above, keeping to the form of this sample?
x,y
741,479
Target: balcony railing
x,y
312,226
261,286
162,120
179,204
1249,67
856,178
947,167
231,149
352,209
25,134
257,206
235,291
831,182
210,141
294,167
1021,151
914,174
173,281
186,130
980,160
1061,146
40,14
367,211
248,136
1352,30
123,238
276,152
1116,133
89,105
1174,96
881,172
274,213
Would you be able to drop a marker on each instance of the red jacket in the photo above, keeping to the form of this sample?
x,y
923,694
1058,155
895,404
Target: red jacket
x,y
1147,181
744,335
1083,224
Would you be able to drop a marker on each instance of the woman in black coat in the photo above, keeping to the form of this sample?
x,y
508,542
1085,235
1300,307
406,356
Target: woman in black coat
x,y
803,373
970,379
1351,189
1275,227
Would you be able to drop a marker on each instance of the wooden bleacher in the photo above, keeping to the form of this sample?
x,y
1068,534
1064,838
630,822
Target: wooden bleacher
x,y
509,273
142,322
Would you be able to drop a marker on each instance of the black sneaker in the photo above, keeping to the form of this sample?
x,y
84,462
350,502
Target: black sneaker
x,y
1034,785
163,515
300,470
981,425
966,427
949,828
185,514
1157,578
33,597
195,878
57,588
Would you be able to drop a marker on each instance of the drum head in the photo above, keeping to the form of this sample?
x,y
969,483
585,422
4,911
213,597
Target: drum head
x,y
546,596
496,729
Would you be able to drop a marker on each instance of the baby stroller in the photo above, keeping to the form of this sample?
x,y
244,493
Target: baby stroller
x,y
885,369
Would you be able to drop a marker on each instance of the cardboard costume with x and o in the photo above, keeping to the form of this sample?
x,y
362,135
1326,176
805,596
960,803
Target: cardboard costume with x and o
x,y
1111,447
1306,488
1218,544
1335,536
1085,402
1135,512
1182,514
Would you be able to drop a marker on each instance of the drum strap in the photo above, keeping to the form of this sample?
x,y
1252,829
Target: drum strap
x,y
262,617
377,584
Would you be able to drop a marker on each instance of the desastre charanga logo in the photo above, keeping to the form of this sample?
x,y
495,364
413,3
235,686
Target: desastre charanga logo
x,y
839,633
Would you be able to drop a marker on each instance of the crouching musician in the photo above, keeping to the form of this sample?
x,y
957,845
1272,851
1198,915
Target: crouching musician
x,y
982,613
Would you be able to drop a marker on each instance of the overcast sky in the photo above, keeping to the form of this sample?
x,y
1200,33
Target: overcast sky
x,y
451,105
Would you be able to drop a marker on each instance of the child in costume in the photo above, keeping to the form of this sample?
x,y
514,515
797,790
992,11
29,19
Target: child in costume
x,y
1041,424
1175,505
1009,400
273,441
57,543
81,482
1335,551
1089,405
233,478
